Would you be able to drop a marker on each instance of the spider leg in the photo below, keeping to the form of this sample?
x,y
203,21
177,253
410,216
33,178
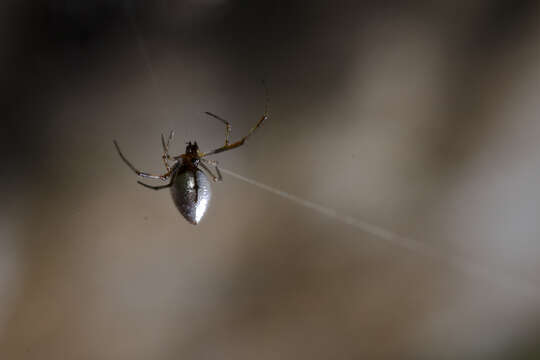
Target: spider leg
x,y
160,187
166,155
238,143
210,162
140,173
166,145
227,126
217,178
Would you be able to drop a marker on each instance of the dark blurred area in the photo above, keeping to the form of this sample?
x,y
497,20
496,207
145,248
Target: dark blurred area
x,y
419,117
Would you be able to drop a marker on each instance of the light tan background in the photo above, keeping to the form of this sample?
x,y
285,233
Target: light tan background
x,y
422,118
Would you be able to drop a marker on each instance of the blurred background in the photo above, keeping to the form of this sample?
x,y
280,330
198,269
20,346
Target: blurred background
x,y
421,117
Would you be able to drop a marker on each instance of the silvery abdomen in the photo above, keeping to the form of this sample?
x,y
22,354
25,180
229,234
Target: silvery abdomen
x,y
191,197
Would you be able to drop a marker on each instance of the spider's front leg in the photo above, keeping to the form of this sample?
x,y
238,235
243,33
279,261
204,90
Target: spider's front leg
x,y
228,127
141,173
166,155
229,146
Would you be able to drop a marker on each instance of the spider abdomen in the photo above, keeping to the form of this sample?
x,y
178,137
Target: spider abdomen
x,y
191,193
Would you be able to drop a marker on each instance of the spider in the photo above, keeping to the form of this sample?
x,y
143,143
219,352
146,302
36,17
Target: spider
x,y
190,187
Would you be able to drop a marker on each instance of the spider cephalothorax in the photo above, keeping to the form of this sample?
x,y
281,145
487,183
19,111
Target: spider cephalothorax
x,y
192,148
192,156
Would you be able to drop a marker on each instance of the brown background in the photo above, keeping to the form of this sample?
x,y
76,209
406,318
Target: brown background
x,y
420,117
